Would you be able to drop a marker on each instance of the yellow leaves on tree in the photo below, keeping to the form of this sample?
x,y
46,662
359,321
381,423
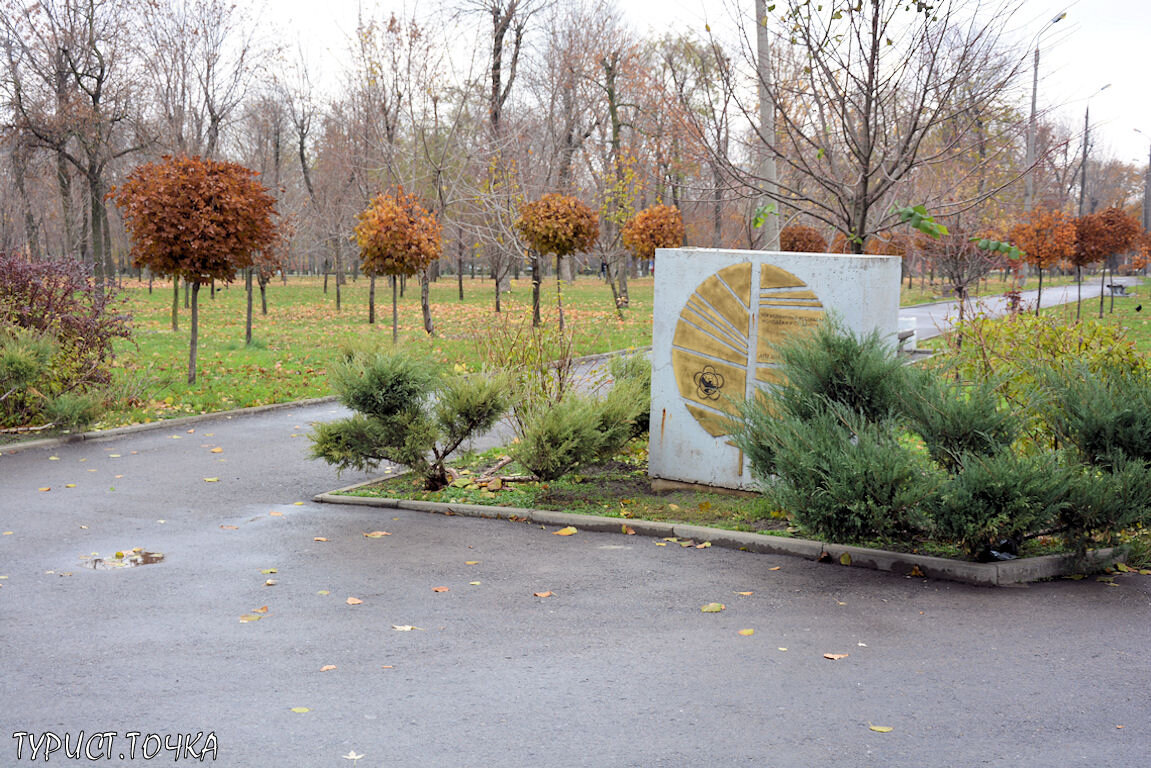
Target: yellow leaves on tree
x,y
660,226
802,238
559,224
397,235
1047,236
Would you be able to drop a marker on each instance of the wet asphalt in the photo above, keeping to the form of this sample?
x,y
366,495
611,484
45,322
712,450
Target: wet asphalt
x,y
618,667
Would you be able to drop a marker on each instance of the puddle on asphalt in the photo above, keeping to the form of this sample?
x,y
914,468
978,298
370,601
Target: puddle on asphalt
x,y
129,559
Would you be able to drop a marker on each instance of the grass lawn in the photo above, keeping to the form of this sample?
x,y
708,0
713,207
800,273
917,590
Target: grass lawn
x,y
922,293
303,334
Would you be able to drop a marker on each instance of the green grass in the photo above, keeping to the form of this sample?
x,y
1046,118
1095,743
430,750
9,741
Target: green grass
x,y
921,292
303,333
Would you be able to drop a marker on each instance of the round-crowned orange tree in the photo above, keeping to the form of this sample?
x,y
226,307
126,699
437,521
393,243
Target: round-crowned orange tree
x,y
559,224
659,226
802,238
1048,237
197,219
398,236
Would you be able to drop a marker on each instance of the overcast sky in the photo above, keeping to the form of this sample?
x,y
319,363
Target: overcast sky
x,y
1100,42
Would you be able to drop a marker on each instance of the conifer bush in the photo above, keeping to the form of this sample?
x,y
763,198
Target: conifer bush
x,y
406,413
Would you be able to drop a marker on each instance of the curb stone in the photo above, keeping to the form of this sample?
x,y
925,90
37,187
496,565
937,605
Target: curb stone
x,y
997,574
131,429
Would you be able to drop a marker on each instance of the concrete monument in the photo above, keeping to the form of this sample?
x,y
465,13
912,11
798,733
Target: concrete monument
x,y
718,314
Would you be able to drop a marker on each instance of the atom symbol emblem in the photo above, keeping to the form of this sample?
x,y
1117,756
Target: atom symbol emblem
x,y
708,383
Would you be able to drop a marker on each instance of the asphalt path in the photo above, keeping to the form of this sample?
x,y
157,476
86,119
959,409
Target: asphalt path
x,y
619,667
933,319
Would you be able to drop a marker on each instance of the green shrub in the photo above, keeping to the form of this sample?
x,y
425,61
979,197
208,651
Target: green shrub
x,y
834,365
1105,502
847,479
954,419
1104,413
1003,496
578,430
406,414
635,368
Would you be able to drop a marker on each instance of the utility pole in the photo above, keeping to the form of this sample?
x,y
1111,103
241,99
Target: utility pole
x,y
1083,164
767,169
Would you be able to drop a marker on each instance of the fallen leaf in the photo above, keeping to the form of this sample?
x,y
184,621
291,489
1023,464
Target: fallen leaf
x,y
217,449
353,601
1145,572
387,666
266,571
297,503
250,617
113,455
300,710
686,544
319,538
471,562
915,572
549,593
628,530
405,628
776,568
713,607
276,513
1122,568
351,753
230,527
377,534
747,632
211,479
569,531
495,484
69,485
845,558
327,667
262,609
45,489
782,649
881,728
441,589
270,583
474,583
324,592
661,543
673,507
704,545
745,594
191,431
835,656
53,458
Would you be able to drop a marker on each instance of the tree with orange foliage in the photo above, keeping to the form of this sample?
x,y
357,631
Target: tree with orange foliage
x,y
559,224
802,238
660,226
1048,237
1099,237
397,237
197,219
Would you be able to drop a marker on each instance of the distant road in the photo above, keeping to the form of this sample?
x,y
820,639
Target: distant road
x,y
933,319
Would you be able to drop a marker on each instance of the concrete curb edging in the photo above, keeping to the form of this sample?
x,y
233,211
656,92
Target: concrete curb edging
x,y
131,429
982,574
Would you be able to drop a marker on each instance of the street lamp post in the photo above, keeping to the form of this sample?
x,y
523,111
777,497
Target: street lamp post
x,y
1146,189
1029,180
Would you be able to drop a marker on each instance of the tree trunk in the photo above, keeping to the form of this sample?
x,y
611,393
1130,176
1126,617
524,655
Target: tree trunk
x,y
1039,295
187,302
371,300
248,321
175,303
559,291
535,261
395,309
195,332
1102,287
425,303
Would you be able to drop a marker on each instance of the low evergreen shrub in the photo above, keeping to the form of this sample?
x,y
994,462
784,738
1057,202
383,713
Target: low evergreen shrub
x,y
406,413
